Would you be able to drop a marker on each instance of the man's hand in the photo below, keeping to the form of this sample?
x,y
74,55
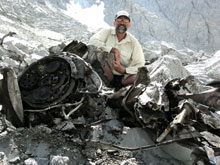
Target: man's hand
x,y
116,63
116,54
117,67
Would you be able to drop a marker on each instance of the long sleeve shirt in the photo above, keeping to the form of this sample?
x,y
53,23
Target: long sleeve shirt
x,y
131,54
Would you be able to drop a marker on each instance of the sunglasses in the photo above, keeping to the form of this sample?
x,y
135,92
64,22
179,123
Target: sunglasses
x,y
124,20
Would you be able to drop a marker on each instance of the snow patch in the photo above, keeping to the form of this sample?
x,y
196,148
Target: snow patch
x,y
93,17
49,5
50,34
6,19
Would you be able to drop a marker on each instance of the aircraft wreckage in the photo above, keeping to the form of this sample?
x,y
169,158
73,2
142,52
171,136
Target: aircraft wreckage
x,y
62,85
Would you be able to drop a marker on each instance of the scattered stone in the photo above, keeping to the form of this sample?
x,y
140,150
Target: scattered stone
x,y
110,113
57,121
59,160
30,161
79,120
91,163
65,126
112,151
99,151
131,161
44,129
76,140
114,126
3,158
3,134
56,49
36,161
15,160
125,130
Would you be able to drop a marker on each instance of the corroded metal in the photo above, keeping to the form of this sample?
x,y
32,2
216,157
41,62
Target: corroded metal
x,y
186,110
10,97
210,97
76,47
47,81
52,79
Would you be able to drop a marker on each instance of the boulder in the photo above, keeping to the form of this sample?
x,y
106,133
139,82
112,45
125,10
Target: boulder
x,y
213,66
185,56
167,68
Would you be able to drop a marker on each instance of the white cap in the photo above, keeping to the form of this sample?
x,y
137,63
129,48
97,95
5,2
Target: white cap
x,y
122,13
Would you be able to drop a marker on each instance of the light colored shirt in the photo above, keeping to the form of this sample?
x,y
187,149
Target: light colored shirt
x,y
131,53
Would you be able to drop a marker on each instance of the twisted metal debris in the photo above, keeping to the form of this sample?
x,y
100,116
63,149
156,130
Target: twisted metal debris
x,y
64,85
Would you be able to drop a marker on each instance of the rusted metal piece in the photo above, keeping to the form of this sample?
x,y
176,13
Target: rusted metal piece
x,y
10,98
110,146
76,47
10,34
52,82
215,84
205,154
66,116
187,109
47,81
136,89
52,79
210,97
54,107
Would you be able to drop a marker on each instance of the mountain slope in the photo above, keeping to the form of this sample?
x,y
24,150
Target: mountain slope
x,y
192,24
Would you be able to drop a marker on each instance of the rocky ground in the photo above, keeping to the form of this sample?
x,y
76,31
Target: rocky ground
x,y
45,145
97,133
102,135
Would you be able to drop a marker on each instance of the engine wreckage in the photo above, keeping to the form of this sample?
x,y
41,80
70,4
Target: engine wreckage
x,y
70,84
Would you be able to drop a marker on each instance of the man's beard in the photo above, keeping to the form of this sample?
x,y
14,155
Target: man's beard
x,y
121,28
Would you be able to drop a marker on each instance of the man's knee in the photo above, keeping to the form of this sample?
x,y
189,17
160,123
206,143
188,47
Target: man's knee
x,y
129,80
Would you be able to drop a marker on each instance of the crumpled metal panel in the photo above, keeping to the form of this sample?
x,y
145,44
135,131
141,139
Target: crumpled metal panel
x,y
10,98
52,79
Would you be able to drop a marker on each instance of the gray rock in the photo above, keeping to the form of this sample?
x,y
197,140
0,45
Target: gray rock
x,y
3,159
14,160
130,161
167,68
36,161
213,66
44,129
30,161
114,126
185,57
59,160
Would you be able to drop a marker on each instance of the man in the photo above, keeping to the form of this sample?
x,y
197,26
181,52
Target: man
x,y
125,53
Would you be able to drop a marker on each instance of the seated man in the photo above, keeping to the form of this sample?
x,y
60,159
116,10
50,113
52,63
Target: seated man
x,y
125,54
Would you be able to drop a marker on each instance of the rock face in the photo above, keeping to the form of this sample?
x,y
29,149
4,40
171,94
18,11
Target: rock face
x,y
42,21
193,24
